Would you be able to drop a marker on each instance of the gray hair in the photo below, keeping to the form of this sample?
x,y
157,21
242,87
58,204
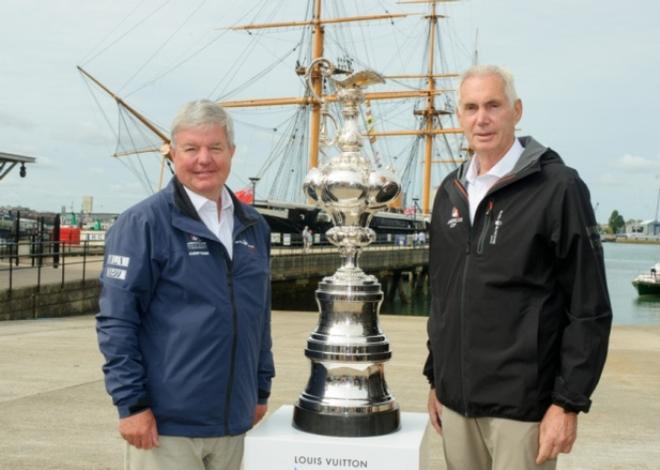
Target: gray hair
x,y
203,113
485,70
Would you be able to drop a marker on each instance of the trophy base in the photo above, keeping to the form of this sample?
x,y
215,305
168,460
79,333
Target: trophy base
x,y
343,425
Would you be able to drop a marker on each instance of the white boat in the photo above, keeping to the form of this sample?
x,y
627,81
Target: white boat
x,y
648,283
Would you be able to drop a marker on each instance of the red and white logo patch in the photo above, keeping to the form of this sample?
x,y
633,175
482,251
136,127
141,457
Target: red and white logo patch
x,y
455,218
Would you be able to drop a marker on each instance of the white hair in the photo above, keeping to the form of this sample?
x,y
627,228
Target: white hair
x,y
485,70
203,113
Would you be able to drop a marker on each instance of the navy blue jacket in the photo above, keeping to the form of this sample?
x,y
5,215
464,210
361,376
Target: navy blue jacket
x,y
184,329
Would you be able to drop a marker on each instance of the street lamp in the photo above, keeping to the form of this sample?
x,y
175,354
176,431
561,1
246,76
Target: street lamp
x,y
414,200
253,180
414,224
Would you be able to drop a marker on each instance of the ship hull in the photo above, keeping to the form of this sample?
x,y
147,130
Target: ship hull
x,y
647,284
287,218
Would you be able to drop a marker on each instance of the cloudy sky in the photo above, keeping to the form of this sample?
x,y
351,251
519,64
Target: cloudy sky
x,y
587,71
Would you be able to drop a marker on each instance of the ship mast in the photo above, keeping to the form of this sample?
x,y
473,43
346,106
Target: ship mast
x,y
317,23
317,82
429,113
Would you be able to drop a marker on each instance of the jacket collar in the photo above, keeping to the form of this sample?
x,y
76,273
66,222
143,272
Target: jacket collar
x,y
501,168
529,161
185,217
182,200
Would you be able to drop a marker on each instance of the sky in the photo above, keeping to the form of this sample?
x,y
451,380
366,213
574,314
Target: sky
x,y
586,71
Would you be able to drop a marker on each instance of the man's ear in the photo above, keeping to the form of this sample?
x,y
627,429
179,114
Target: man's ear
x,y
518,109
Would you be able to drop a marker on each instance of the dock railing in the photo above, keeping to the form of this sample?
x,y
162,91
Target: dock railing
x,y
35,263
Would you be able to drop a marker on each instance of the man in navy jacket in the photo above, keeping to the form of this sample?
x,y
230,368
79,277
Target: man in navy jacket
x,y
184,320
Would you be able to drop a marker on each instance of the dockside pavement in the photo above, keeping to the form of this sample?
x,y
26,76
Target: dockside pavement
x,y
55,414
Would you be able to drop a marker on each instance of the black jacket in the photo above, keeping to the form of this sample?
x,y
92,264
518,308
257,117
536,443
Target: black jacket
x,y
520,314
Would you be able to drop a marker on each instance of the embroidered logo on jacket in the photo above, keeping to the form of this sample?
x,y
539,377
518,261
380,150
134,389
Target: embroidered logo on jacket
x,y
455,218
115,273
121,261
246,244
196,246
115,267
498,224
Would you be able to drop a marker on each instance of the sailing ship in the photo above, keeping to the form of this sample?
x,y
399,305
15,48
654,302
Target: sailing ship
x,y
432,147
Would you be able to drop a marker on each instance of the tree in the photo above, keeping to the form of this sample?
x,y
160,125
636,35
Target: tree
x,y
616,222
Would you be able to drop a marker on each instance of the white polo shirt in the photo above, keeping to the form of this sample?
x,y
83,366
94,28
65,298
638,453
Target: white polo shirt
x,y
220,223
478,186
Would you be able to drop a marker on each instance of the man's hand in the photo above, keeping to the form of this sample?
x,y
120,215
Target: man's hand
x,y
140,430
259,413
557,433
435,411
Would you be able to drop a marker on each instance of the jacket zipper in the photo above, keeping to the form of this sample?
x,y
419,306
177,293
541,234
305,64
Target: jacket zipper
x,y
234,336
462,325
468,250
486,228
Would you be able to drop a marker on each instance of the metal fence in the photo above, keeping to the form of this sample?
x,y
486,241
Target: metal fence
x,y
35,263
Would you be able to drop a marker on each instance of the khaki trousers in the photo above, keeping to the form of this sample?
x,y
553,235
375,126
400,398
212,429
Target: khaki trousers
x,y
185,453
490,443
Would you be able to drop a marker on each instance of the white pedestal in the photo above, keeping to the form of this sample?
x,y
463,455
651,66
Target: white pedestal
x,y
277,445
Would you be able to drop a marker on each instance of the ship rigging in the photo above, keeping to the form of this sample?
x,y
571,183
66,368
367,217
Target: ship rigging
x,y
426,99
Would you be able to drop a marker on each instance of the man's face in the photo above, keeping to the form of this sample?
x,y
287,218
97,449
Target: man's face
x,y
486,116
202,159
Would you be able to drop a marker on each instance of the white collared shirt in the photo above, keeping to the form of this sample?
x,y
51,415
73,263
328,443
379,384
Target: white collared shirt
x,y
478,186
220,223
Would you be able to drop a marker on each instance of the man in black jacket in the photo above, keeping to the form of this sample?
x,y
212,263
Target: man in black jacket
x,y
520,315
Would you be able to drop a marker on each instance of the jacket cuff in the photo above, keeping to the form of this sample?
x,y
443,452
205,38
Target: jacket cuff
x,y
262,397
133,408
569,401
428,370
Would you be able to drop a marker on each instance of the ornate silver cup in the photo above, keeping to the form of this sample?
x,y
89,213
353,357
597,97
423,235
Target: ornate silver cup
x,y
346,394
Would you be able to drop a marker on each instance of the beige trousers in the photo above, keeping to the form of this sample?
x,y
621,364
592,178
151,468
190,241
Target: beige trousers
x,y
490,443
185,453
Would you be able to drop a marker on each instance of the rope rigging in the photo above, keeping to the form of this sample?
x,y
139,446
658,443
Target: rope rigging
x,y
356,45
162,46
256,77
186,56
139,23
291,153
143,177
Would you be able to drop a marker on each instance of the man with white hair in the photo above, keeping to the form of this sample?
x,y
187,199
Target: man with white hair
x,y
184,320
520,316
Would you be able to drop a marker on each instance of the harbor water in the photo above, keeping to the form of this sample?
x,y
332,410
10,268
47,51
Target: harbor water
x,y
623,262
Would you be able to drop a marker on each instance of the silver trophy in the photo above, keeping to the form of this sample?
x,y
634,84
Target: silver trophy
x,y
347,394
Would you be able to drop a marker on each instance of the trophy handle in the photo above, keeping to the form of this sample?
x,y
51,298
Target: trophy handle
x,y
323,133
326,68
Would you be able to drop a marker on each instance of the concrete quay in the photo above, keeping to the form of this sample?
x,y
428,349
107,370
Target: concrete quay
x,y
55,414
